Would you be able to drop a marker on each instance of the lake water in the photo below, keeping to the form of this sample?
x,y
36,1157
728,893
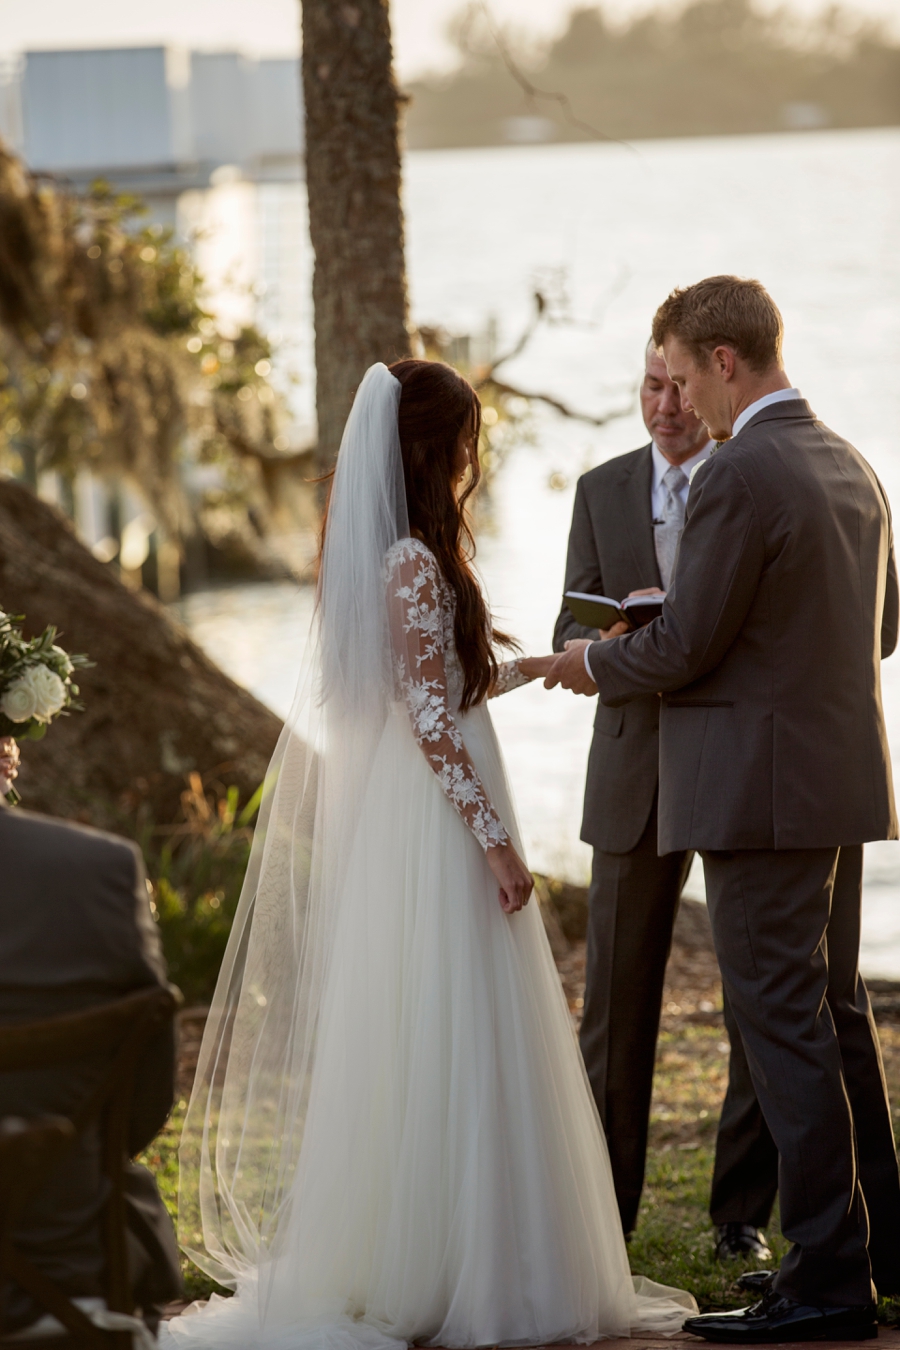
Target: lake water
x,y
609,232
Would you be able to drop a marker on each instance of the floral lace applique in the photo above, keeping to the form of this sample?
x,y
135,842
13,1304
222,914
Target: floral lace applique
x,y
509,676
421,611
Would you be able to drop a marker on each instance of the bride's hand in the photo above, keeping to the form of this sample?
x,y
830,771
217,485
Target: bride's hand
x,y
536,667
9,763
513,877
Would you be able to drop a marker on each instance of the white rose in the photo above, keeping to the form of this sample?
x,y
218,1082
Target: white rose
x,y
38,693
19,703
49,692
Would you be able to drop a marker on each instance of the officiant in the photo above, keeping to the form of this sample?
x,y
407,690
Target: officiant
x,y
627,520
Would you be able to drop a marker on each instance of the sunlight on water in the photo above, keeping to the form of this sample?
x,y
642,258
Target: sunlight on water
x,y
815,217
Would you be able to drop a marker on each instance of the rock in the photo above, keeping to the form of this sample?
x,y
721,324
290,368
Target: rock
x,y
692,928
568,905
155,706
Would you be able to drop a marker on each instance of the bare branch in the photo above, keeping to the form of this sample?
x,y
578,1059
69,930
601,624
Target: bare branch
x,y
540,310
533,93
488,376
502,387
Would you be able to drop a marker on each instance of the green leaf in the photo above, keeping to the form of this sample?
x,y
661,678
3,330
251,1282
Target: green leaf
x,y
251,808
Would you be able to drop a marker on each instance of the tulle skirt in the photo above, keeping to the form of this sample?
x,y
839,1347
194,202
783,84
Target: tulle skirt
x,y
454,1186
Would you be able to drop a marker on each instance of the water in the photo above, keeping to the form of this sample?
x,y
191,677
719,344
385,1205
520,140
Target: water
x,y
815,217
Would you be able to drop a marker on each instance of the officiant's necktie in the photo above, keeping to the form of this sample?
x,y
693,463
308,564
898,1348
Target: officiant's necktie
x,y
667,532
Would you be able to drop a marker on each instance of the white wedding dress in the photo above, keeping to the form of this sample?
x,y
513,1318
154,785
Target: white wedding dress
x,y
452,1186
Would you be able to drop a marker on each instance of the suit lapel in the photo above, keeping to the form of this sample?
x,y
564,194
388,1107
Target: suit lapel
x,y
638,518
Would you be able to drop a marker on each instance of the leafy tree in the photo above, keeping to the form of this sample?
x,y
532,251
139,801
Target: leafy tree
x,y
109,357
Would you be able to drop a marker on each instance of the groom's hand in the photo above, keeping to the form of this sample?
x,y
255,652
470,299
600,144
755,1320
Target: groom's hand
x,y
569,669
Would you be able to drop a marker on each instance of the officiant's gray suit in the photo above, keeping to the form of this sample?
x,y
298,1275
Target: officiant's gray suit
x,y
76,931
634,893
773,755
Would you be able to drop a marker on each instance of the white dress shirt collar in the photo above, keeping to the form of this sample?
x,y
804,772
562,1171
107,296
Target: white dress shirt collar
x,y
779,396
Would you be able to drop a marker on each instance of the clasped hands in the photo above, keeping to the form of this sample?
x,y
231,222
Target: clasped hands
x,y
568,668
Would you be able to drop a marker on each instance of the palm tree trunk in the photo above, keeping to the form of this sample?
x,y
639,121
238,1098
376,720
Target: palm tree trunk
x,y
355,216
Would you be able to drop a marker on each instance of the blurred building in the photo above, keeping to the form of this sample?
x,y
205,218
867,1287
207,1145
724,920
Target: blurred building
x,y
158,121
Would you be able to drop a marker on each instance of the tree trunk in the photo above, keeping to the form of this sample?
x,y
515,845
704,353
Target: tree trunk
x,y
355,217
155,707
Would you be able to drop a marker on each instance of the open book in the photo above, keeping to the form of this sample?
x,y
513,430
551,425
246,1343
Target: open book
x,y
598,611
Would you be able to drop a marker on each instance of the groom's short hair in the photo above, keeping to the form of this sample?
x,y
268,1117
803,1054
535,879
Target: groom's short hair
x,y
723,312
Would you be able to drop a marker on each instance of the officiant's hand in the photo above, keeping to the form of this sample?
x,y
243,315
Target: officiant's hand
x,y
606,633
569,669
513,877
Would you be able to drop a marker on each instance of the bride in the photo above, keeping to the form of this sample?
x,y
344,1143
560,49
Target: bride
x,y
391,1138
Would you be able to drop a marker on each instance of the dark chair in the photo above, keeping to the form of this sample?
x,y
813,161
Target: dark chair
x,y
29,1149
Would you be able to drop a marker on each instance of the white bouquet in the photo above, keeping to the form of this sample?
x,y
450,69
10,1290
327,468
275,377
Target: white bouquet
x,y
35,682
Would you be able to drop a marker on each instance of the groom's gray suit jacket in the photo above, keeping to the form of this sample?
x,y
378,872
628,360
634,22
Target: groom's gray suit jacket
x,y
783,602
611,553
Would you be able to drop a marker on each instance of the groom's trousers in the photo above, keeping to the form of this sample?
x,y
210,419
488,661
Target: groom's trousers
x,y
775,915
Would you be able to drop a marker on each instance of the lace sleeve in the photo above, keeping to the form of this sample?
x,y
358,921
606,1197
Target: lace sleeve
x,y
509,676
417,632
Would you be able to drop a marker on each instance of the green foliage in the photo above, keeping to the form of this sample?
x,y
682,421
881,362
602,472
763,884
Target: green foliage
x,y
19,654
109,356
196,869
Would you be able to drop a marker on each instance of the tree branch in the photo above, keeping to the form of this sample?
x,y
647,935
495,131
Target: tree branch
x,y
533,93
502,387
488,376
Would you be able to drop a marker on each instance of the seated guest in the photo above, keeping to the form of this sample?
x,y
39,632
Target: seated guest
x,y
76,931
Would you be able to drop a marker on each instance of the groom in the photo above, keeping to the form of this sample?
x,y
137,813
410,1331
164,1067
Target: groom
x,y
773,755
626,522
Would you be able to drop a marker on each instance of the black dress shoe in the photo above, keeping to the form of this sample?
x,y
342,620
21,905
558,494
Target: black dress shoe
x,y
755,1281
777,1319
737,1241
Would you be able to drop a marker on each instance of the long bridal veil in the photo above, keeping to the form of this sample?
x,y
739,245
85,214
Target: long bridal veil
x,y
245,1121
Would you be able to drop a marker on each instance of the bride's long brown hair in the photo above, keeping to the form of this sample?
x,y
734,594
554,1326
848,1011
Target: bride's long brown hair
x,y
436,405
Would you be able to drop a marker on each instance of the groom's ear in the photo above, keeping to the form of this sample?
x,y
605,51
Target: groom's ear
x,y
723,360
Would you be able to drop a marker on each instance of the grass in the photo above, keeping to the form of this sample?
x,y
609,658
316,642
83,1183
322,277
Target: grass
x,y
673,1242
162,1159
